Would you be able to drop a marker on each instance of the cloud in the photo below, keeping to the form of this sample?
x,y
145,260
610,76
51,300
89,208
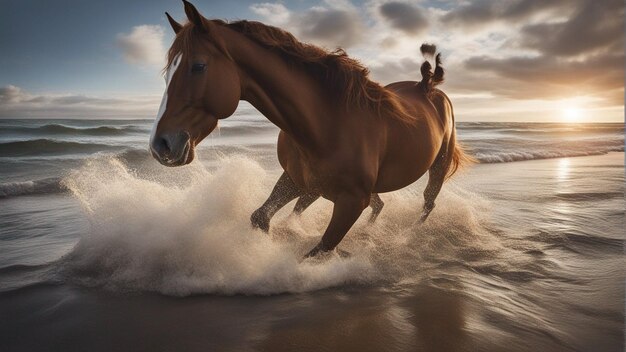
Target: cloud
x,y
10,94
275,13
484,12
17,103
334,25
143,45
502,57
405,17
596,25
578,55
397,70
330,27
521,54
552,77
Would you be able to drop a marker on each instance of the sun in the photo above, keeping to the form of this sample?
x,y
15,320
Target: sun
x,y
571,114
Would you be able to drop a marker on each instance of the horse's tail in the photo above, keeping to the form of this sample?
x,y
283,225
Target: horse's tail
x,y
455,155
458,155
430,79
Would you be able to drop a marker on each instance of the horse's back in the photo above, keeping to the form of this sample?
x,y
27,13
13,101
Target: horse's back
x,y
411,95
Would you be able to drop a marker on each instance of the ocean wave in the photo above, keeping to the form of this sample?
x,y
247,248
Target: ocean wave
x,y
579,242
246,129
533,126
43,186
59,129
588,196
21,268
50,147
506,156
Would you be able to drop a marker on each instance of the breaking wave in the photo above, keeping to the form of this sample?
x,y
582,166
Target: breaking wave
x,y
522,155
43,186
511,149
59,129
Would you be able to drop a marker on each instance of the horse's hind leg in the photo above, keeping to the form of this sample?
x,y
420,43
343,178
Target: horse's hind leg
x,y
436,176
377,205
307,199
347,209
304,202
284,192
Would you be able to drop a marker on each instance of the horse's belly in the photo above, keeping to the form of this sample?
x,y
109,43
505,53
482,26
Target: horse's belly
x,y
327,175
394,177
408,156
406,160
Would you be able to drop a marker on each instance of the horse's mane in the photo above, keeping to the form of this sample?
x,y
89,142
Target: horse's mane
x,y
344,78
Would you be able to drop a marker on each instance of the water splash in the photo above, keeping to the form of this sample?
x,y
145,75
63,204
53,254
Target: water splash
x,y
187,232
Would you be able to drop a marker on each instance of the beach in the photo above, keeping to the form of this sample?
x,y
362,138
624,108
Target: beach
x,y
104,249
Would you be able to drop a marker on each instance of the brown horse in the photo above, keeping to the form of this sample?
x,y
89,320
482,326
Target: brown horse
x,y
343,137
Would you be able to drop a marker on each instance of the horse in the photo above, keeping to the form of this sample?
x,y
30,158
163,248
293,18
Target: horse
x,y
342,136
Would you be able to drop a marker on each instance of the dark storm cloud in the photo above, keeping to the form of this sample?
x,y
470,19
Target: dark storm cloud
x,y
404,16
595,25
481,13
331,27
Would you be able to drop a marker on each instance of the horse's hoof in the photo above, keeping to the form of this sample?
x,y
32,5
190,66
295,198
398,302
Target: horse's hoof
x,y
343,254
316,251
426,212
320,251
260,220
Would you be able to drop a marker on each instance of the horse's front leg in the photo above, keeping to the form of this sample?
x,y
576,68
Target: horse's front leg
x,y
347,209
284,192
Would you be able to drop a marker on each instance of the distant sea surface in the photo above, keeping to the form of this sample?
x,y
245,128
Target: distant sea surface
x,y
102,248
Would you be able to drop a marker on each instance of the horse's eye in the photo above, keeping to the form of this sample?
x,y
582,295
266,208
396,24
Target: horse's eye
x,y
198,68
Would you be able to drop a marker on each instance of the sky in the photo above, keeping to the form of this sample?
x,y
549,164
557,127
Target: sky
x,y
505,60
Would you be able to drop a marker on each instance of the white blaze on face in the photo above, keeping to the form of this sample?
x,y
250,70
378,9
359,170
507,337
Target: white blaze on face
x,y
168,78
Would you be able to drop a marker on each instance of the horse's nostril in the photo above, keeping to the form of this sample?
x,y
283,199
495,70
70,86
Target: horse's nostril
x,y
171,149
161,146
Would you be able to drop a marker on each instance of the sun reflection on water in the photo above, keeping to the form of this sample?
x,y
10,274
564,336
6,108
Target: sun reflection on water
x,y
563,171
563,207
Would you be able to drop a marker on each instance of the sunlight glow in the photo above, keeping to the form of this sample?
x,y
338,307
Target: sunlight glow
x,y
572,114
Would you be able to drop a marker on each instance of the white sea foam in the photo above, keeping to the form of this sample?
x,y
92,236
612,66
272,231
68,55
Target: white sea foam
x,y
16,188
507,156
189,233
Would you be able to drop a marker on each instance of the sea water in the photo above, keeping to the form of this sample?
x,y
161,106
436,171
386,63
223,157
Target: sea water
x,y
524,250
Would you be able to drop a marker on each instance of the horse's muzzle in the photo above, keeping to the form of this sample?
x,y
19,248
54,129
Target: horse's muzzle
x,y
172,149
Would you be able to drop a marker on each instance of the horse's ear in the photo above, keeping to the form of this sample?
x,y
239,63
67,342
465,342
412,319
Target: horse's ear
x,y
194,16
175,25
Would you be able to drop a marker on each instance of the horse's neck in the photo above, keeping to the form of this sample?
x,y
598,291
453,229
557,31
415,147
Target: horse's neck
x,y
288,97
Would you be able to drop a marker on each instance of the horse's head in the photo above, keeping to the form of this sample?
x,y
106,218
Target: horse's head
x,y
202,86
